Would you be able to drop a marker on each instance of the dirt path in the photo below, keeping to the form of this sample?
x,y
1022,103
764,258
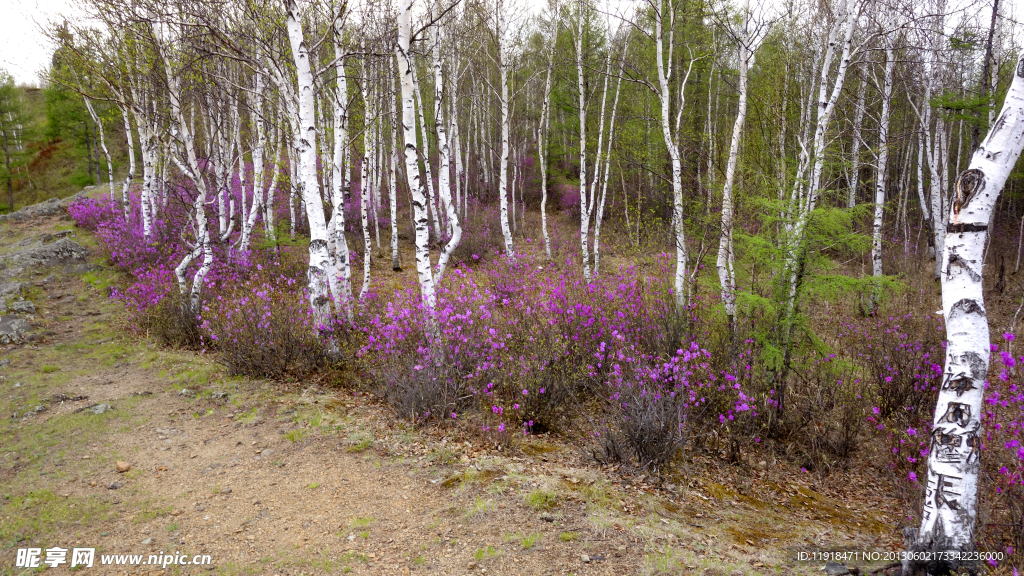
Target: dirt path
x,y
280,479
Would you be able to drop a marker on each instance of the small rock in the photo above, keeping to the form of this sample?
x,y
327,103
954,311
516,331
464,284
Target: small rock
x,y
597,557
123,466
13,330
147,541
226,491
115,485
219,395
8,288
472,566
835,569
186,392
585,558
267,452
4,362
100,408
24,307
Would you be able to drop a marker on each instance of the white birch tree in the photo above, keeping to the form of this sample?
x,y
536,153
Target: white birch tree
x,y
881,171
404,56
307,185
950,503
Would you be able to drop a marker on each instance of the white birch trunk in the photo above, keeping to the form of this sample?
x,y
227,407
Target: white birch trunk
x,y
365,181
882,173
503,174
103,145
582,105
664,71
125,203
396,264
342,277
191,169
412,172
805,193
726,253
258,172
858,119
599,217
949,513
319,258
148,141
542,144
425,154
268,209
444,170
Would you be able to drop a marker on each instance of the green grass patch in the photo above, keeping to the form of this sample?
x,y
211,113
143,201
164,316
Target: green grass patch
x,y
542,499
486,553
39,514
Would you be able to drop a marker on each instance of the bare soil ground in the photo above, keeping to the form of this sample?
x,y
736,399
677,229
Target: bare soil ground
x,y
295,478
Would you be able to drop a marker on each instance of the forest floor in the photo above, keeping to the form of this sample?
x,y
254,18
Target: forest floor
x,y
298,478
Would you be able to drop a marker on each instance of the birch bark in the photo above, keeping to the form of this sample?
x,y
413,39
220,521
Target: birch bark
x,y
506,232
412,172
949,512
308,187
342,265
726,255
858,119
444,170
125,204
882,173
103,144
366,179
664,94
542,138
396,265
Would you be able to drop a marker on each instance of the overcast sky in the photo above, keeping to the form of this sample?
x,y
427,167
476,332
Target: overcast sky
x,y
25,51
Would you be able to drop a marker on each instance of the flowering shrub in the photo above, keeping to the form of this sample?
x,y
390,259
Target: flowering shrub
x,y
569,199
523,346
263,329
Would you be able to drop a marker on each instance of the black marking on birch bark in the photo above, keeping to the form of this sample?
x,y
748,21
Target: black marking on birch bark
x,y
959,383
964,307
964,228
957,413
317,244
974,443
1000,123
977,364
955,258
1020,68
946,446
968,185
943,492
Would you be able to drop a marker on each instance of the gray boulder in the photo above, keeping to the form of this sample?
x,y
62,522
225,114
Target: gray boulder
x,y
23,307
62,252
13,329
12,288
51,207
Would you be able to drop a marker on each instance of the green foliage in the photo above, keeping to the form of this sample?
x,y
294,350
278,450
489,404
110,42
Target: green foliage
x,y
13,137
